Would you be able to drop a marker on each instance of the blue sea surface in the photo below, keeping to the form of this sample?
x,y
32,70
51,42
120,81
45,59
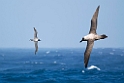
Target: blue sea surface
x,y
106,65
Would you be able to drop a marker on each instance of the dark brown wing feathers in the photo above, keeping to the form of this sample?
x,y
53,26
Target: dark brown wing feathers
x,y
87,52
36,47
35,33
94,21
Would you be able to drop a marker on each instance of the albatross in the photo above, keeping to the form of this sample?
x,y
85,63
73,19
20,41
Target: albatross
x,y
35,40
91,37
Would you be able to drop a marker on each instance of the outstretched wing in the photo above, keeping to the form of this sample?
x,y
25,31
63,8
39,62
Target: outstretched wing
x,y
87,52
36,47
94,21
35,33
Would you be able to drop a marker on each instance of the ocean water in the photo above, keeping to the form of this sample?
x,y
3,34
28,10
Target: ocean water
x,y
106,65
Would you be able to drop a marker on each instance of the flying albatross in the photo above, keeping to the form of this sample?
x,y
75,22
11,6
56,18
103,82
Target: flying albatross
x,y
91,37
35,40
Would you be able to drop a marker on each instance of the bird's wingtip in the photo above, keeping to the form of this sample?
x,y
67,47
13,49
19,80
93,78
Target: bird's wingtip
x,y
85,65
98,6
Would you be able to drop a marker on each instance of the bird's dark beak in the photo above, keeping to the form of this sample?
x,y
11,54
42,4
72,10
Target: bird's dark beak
x,y
82,40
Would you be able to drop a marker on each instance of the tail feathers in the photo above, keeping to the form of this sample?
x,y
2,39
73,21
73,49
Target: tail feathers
x,y
103,36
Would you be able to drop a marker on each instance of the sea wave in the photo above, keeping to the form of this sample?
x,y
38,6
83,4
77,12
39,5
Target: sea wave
x,y
93,67
47,52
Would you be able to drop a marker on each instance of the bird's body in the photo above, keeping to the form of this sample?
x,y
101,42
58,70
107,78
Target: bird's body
x,y
35,40
91,37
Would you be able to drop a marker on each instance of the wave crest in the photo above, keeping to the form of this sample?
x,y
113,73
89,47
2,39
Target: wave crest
x,y
93,67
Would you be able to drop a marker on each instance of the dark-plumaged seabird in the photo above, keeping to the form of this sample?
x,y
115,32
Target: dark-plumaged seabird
x,y
91,37
35,40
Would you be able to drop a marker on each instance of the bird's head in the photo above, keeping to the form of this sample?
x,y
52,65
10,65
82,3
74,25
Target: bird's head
x,y
39,40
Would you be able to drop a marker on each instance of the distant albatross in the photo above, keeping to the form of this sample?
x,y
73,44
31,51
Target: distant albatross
x,y
91,37
35,40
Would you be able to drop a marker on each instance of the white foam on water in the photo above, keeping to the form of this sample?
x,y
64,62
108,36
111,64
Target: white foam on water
x,y
54,62
83,71
47,52
93,67
111,53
